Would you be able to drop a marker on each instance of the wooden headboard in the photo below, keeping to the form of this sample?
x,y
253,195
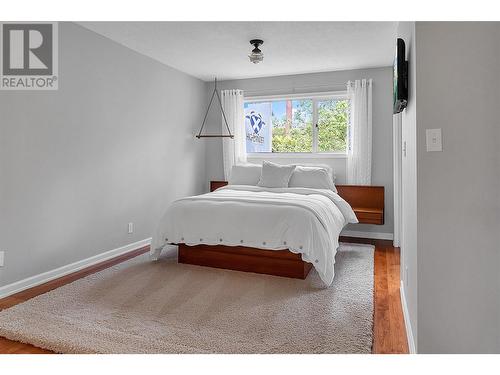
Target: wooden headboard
x,y
366,201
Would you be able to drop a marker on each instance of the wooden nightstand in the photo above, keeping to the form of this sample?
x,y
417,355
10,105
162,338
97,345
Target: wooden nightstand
x,y
367,202
214,185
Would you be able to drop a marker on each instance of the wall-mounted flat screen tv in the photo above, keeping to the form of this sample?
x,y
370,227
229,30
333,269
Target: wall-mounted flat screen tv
x,y
400,91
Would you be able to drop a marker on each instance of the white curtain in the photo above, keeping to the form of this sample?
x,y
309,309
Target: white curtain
x,y
359,156
234,150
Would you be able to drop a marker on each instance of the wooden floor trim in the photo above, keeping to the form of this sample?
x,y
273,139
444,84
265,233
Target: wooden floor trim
x,y
389,334
67,269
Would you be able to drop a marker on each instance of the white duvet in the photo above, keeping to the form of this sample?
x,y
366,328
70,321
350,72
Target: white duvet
x,y
303,220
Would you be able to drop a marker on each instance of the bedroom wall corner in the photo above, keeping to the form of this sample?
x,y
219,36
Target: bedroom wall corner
x,y
115,144
408,240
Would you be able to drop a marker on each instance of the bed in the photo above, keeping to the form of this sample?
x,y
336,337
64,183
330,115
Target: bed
x,y
283,231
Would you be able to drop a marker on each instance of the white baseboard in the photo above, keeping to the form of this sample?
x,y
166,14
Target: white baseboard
x,y
32,281
406,316
372,235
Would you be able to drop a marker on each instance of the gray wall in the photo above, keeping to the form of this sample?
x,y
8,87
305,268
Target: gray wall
x,y
458,76
113,145
317,82
406,30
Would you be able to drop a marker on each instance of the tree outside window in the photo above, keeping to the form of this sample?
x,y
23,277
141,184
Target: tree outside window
x,y
292,128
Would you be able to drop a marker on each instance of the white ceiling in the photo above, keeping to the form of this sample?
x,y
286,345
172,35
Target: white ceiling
x,y
209,49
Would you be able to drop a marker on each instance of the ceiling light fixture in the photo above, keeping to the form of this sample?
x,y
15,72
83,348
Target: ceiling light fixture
x,y
256,56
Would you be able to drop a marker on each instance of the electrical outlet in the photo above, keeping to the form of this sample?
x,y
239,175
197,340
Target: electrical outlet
x,y
130,228
2,258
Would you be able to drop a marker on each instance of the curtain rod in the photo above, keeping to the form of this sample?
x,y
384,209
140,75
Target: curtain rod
x,y
293,90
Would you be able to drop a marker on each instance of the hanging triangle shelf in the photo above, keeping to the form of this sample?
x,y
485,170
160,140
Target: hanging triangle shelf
x,y
229,135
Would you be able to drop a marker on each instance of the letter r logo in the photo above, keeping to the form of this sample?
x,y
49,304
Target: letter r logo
x,y
27,49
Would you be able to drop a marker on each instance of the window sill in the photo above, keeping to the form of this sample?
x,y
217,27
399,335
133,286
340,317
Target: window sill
x,y
295,155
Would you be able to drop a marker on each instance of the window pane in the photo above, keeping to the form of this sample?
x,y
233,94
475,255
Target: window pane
x,y
292,126
258,126
286,125
333,121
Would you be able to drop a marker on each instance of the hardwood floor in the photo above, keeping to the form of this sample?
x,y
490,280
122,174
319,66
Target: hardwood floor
x,y
389,335
389,332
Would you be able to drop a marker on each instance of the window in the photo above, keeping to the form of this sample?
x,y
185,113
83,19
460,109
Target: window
x,y
310,124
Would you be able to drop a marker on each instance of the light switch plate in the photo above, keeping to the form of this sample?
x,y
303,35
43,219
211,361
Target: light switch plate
x,y
2,257
433,140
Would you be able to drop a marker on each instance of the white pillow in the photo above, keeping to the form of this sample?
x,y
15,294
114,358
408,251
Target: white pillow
x,y
245,174
324,166
275,175
312,177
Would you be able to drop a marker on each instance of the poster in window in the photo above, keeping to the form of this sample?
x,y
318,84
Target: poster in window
x,y
258,127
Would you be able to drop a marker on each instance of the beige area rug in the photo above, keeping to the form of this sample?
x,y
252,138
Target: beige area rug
x,y
141,306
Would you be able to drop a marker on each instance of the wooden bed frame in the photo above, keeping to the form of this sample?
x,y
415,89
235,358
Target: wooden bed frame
x,y
247,259
366,201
